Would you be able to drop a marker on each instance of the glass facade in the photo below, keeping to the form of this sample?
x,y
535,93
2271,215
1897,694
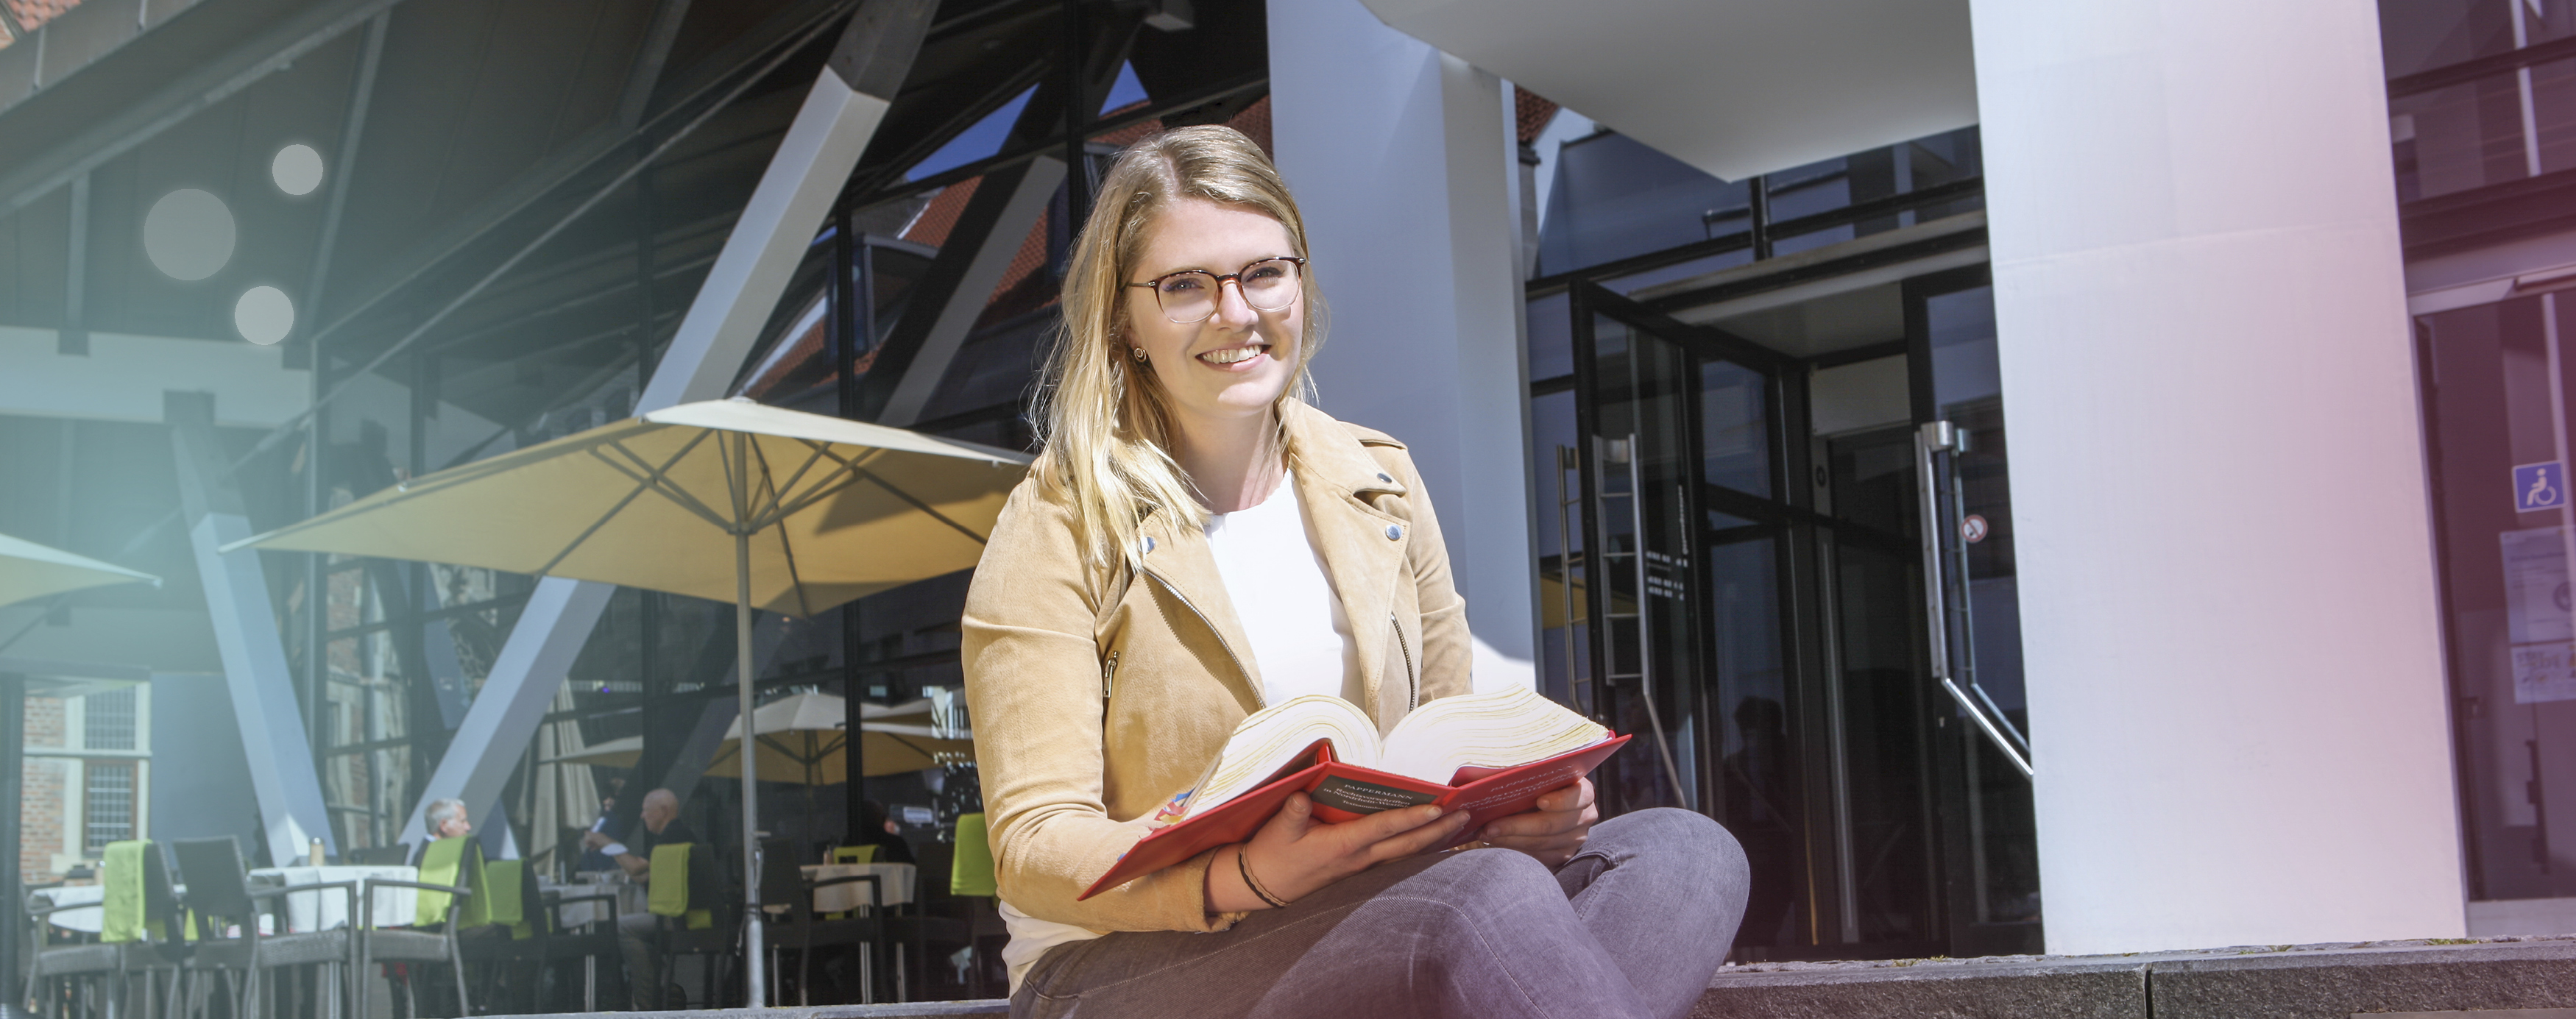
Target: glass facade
x,y
2482,109
2495,425
1732,510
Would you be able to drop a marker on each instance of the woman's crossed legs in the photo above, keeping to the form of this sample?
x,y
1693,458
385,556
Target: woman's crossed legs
x,y
1633,926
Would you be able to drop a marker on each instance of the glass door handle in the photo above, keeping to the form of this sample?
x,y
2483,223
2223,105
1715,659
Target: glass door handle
x,y
1943,437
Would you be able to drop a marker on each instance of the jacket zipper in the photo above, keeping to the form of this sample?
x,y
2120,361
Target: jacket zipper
x,y
1108,673
1230,656
1412,688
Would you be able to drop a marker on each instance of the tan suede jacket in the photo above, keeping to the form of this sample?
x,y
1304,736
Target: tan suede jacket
x,y
1096,695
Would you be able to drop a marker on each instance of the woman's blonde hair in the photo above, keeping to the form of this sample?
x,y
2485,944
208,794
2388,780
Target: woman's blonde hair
x,y
1106,425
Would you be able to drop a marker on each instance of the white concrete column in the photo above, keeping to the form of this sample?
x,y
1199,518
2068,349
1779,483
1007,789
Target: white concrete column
x,y
2228,611
1403,161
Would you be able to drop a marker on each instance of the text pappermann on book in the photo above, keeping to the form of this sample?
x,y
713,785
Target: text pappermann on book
x,y
1492,754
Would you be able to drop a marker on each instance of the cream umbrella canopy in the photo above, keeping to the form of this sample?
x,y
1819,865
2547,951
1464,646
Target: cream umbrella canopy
x,y
817,510
802,735
29,571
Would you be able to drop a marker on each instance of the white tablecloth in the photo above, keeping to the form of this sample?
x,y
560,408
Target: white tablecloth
x,y
85,921
895,878
329,907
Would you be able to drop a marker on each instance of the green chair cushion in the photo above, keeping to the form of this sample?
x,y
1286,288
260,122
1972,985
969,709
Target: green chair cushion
x,y
500,891
121,870
970,872
667,893
459,862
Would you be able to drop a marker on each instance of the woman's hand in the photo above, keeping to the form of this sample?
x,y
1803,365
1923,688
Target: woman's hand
x,y
1553,829
1294,854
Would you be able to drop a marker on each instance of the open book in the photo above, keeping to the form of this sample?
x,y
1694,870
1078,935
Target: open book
x,y
1493,754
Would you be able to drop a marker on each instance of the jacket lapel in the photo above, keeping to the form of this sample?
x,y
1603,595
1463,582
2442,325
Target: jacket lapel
x,y
1334,478
1181,561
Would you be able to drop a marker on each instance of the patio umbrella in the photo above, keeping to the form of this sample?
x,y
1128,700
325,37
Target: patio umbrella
x,y
725,499
29,571
801,735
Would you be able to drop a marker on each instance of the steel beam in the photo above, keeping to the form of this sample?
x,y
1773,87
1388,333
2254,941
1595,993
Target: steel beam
x,y
291,807
353,128
212,82
842,109
1021,194
74,337
13,720
841,112
649,61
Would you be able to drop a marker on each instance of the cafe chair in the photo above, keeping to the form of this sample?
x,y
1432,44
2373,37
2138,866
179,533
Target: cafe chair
x,y
971,879
783,883
698,918
68,981
141,915
593,941
438,909
221,897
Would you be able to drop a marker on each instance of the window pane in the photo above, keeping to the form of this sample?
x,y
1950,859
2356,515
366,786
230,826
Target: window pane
x,y
107,807
2504,576
109,723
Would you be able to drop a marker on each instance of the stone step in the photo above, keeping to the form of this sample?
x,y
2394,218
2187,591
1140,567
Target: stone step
x,y
2330,981
909,1010
2495,978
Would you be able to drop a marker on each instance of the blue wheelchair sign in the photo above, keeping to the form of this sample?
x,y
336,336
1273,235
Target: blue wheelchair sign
x,y
2540,486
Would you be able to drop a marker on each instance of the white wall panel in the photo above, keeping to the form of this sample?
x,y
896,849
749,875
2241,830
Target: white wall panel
x,y
2229,616
1404,163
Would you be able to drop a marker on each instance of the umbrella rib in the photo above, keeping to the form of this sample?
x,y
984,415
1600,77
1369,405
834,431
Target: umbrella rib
x,y
831,484
753,456
907,497
914,747
772,743
658,478
915,503
778,494
795,580
613,511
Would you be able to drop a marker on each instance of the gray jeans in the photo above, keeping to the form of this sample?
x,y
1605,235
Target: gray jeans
x,y
1633,926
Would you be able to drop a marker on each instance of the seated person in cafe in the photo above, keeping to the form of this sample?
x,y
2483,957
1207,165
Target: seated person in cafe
x,y
876,829
603,831
638,933
447,820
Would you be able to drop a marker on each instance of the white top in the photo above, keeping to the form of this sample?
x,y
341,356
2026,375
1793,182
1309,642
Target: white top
x,y
1275,578
1301,642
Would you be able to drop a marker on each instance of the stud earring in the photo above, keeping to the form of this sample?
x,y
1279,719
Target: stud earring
x,y
1139,352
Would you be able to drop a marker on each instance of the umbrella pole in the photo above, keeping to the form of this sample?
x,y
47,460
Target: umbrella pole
x,y
755,974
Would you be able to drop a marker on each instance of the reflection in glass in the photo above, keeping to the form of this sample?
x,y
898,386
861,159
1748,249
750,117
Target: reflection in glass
x,y
1735,431
2493,374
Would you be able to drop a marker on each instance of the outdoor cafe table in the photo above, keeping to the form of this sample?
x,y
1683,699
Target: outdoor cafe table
x,y
896,879
81,921
630,900
327,908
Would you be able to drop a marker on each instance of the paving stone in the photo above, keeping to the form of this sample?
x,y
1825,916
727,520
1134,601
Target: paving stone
x,y
909,1010
2005,987
2333,981
2337,981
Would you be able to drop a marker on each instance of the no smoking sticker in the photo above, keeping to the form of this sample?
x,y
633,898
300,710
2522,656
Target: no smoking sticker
x,y
1973,528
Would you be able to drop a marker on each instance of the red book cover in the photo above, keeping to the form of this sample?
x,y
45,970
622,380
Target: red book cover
x,y
1343,791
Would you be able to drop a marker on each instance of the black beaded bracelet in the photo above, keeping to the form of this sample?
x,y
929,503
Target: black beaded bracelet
x,y
1243,864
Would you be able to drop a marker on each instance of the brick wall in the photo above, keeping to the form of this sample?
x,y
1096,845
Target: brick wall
x,y
41,809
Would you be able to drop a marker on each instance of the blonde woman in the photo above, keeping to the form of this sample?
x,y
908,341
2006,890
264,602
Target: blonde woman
x,y
1196,542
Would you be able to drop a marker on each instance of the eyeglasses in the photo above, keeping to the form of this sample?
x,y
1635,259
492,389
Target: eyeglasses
x,y
1189,296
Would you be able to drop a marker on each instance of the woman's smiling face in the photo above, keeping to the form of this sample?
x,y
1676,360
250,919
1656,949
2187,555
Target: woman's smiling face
x,y
1234,364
